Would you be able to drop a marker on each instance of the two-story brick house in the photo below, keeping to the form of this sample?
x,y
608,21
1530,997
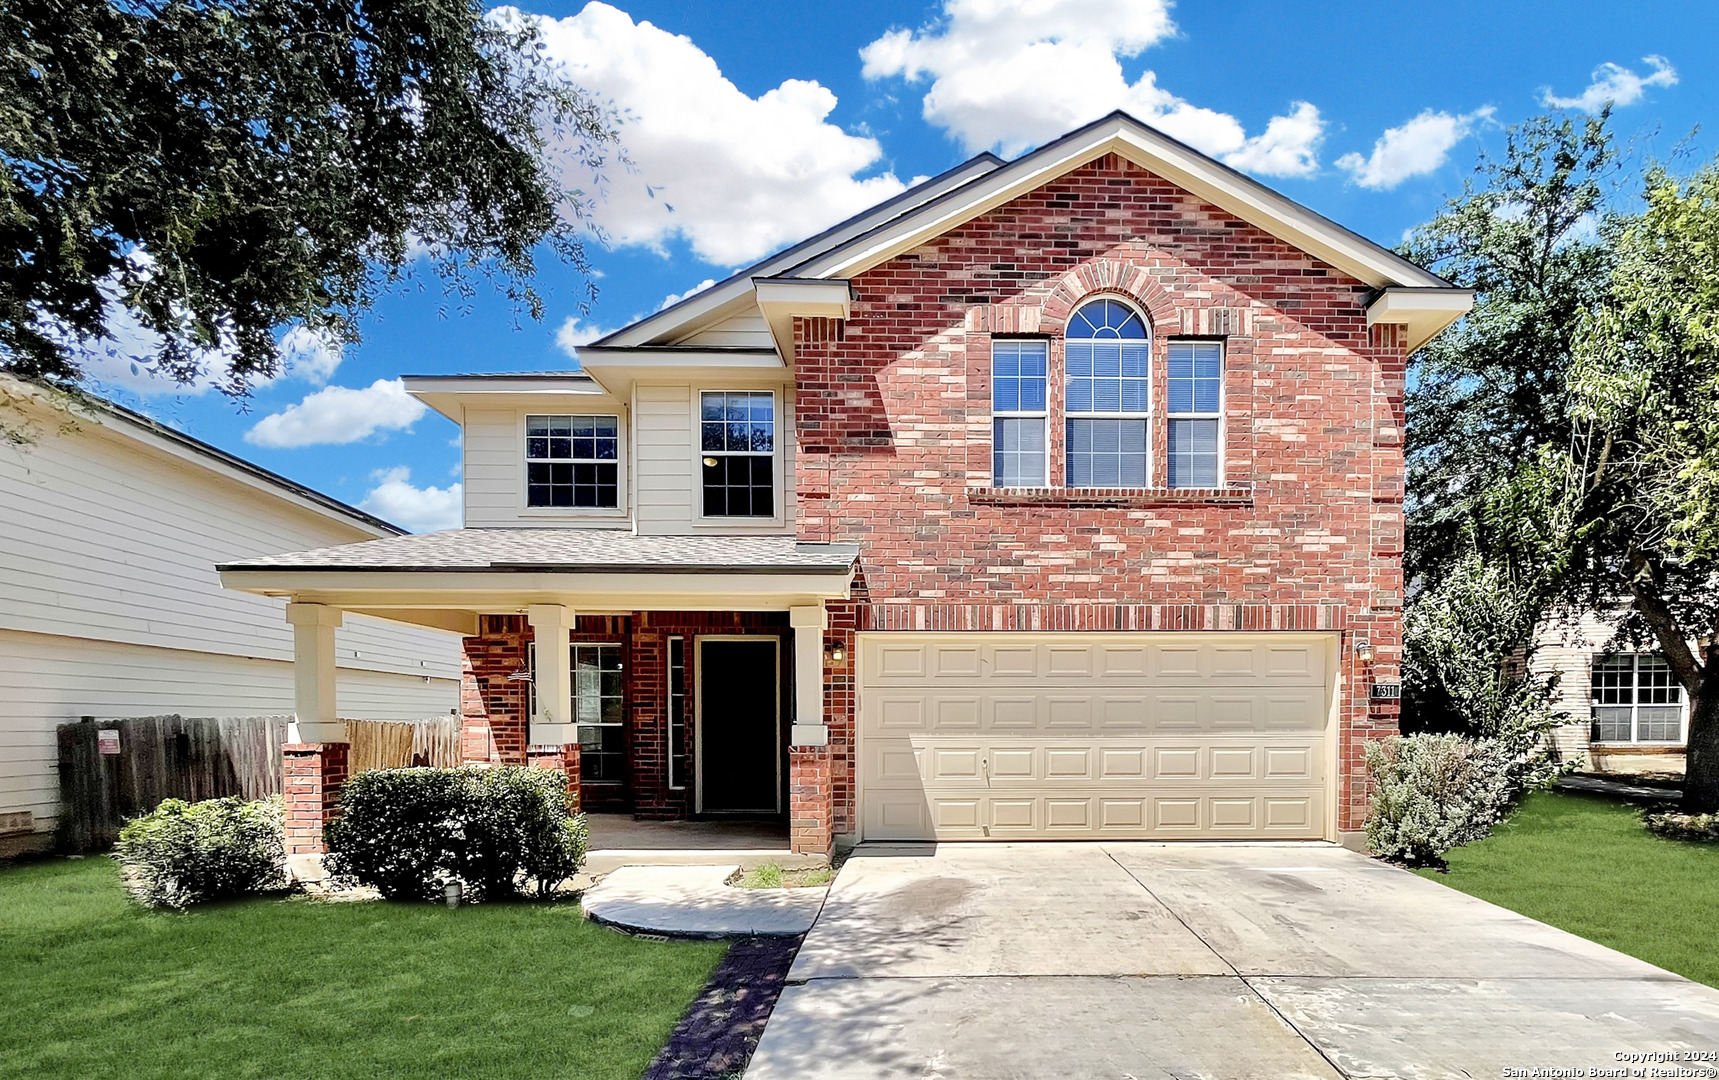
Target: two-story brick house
x,y
1059,497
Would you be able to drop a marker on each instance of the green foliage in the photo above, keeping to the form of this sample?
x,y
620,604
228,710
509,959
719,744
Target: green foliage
x,y
1485,398
1644,396
1697,828
1432,793
184,853
497,831
224,168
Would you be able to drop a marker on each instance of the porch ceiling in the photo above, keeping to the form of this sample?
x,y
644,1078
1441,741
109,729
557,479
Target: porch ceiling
x,y
441,578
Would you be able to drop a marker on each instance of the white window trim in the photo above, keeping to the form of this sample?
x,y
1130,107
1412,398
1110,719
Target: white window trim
x,y
618,511
1635,706
573,704
1030,414
777,461
1151,385
676,691
1220,416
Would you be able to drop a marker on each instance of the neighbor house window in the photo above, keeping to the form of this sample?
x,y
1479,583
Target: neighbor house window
x,y
572,461
1636,698
598,708
1195,403
1107,355
1018,437
737,438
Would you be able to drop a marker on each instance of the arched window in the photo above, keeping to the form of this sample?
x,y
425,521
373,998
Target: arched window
x,y
1107,355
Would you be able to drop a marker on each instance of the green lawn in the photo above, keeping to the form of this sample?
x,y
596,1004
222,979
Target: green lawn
x,y
295,988
1585,864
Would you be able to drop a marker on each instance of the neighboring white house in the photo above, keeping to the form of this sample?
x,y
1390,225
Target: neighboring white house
x,y
110,529
1627,711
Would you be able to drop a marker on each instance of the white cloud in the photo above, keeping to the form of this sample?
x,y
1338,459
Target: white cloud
x,y
737,176
310,356
1009,74
1418,147
426,509
574,334
1615,85
339,414
122,359
676,297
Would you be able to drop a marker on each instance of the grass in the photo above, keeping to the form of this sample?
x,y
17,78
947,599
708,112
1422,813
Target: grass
x,y
1585,864
771,876
95,986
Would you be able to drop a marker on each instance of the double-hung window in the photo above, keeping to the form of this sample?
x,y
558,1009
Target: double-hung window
x,y
572,461
1636,698
1195,406
1107,353
1019,454
598,706
737,437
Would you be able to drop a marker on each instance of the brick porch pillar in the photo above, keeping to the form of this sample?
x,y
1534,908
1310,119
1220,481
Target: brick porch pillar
x,y
563,759
312,775
811,800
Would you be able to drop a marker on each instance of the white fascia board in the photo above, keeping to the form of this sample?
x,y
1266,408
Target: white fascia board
x,y
1425,312
618,369
449,395
376,592
781,299
1180,165
689,315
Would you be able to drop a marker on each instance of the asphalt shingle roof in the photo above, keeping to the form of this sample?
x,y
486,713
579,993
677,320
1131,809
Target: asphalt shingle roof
x,y
567,550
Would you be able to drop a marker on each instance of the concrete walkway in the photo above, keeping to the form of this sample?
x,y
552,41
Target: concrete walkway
x,y
694,901
1143,960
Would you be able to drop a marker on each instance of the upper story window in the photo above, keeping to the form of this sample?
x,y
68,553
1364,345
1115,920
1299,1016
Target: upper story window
x,y
573,461
1107,354
1195,406
737,436
1019,451
1636,698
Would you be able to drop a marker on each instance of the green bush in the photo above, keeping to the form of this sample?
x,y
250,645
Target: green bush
x,y
1673,825
496,831
1432,793
184,853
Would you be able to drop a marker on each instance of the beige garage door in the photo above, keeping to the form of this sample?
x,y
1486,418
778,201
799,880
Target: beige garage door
x,y
1145,736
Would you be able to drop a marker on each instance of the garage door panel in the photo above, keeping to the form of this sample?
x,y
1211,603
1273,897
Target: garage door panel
x,y
975,736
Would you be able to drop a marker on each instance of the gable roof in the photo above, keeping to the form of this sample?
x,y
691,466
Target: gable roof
x,y
974,188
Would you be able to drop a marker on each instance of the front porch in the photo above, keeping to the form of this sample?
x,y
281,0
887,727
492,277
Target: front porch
x,y
619,840
687,691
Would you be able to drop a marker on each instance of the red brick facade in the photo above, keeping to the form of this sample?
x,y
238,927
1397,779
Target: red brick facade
x,y
892,414
312,775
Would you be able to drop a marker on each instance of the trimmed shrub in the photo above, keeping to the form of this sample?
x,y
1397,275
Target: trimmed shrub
x,y
1700,828
183,853
1432,793
496,831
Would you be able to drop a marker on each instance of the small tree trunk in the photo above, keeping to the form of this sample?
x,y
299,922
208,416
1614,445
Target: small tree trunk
x,y
1701,779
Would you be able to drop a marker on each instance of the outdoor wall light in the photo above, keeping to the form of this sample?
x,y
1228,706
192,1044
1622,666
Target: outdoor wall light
x,y
837,654
1364,650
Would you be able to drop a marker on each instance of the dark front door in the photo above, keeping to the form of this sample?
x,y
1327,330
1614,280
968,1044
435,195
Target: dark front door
x,y
739,737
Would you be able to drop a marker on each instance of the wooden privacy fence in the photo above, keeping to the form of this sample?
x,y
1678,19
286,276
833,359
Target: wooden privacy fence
x,y
208,757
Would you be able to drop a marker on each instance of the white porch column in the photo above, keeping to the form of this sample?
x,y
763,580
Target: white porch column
x,y
553,723
313,673
809,726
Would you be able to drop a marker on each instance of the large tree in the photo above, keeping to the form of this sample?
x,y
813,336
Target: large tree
x,y
1644,391
226,168
1487,395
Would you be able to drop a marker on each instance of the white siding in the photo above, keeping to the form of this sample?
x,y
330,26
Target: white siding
x,y
47,681
737,332
495,466
110,603
663,504
1569,650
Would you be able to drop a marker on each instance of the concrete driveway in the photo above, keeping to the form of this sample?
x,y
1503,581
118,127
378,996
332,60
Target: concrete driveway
x,y
1121,961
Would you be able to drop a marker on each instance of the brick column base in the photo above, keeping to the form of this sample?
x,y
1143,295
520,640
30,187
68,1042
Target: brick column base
x,y
313,774
563,759
811,800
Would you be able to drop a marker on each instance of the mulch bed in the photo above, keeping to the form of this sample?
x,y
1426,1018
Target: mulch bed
x,y
716,1037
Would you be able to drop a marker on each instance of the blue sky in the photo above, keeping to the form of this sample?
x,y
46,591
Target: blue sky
x,y
761,122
